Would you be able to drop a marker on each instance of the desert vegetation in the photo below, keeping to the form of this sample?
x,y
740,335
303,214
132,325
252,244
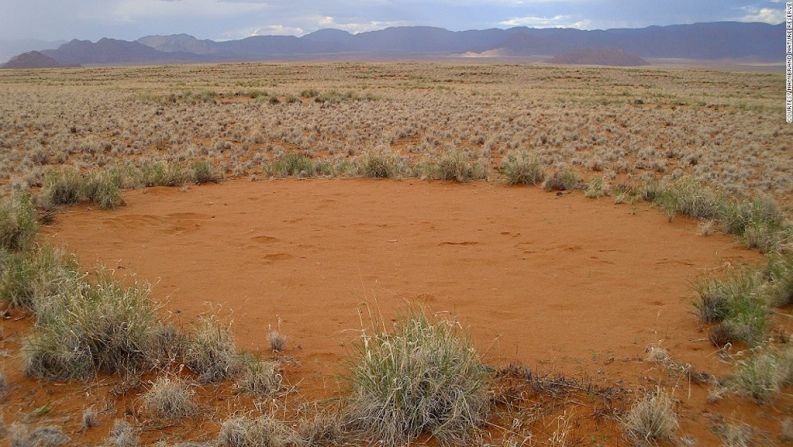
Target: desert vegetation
x,y
714,158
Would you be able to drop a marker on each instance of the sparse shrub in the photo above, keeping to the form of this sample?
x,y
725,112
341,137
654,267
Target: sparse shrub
x,y
87,328
123,434
779,275
651,419
565,180
596,188
423,377
49,436
260,377
456,166
737,215
309,93
170,398
104,190
30,277
204,173
379,164
522,168
277,341
294,164
210,351
18,225
162,174
689,197
762,376
63,187
261,432
716,295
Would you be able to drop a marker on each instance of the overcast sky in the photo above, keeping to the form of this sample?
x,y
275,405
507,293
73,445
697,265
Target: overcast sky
x,y
233,19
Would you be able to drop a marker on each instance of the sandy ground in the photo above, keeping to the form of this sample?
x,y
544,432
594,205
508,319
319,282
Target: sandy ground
x,y
563,284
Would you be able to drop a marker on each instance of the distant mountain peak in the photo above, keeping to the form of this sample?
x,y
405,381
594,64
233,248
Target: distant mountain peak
x,y
705,41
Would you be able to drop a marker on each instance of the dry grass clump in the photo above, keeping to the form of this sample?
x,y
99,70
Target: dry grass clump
x,y
260,377
294,164
689,197
69,186
260,432
596,188
564,180
734,435
18,223
3,386
123,435
49,436
203,172
379,164
29,279
320,430
651,419
162,174
210,351
762,376
90,327
522,168
169,398
456,165
422,377
277,340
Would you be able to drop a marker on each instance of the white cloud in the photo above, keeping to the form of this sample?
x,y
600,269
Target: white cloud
x,y
131,10
356,27
559,21
765,15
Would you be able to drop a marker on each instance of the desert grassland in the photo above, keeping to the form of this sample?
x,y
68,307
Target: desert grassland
x,y
707,144
721,127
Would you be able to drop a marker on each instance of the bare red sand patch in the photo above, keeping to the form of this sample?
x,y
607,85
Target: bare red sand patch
x,y
537,277
560,283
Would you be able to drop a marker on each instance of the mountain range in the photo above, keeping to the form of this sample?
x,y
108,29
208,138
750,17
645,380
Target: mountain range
x,y
700,41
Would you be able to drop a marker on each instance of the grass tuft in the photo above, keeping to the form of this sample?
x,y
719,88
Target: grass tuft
x,y
210,351
457,166
203,172
423,377
18,225
294,164
522,168
169,398
260,377
565,180
651,419
261,432
49,436
762,376
87,328
123,435
379,164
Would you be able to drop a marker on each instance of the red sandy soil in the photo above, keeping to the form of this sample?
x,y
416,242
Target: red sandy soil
x,y
562,284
